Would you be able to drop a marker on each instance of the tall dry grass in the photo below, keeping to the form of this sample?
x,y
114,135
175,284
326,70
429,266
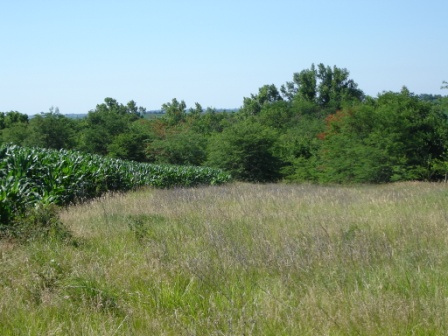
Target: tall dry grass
x,y
240,259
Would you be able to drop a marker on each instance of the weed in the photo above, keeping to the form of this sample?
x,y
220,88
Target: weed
x,y
144,226
39,222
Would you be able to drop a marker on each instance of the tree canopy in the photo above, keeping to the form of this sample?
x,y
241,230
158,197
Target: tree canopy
x,y
320,127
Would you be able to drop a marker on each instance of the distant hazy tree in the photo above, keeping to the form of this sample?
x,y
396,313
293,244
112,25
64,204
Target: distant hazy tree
x,y
195,112
132,108
429,97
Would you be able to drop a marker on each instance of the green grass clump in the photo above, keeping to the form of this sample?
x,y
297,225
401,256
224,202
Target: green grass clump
x,y
238,259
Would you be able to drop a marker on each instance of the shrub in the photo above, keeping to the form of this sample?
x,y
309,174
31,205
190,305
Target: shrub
x,y
246,150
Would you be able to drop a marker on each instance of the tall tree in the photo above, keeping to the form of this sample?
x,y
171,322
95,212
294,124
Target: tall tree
x,y
175,111
183,147
304,85
106,122
131,144
267,94
13,127
326,86
394,137
7,119
196,112
52,130
210,121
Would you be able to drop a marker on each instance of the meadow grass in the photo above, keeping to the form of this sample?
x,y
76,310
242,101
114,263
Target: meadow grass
x,y
240,259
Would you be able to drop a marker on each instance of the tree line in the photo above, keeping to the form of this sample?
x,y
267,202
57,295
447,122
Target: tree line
x,y
320,127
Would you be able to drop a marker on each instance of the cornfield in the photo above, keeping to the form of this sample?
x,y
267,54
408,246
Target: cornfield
x,y
30,176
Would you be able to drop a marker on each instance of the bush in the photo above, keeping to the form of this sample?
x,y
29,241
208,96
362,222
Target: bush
x,y
246,151
185,148
39,222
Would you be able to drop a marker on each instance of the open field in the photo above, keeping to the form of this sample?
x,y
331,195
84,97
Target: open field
x,y
239,259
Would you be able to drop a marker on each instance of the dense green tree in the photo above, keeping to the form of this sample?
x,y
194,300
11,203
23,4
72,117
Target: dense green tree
x,y
319,127
132,144
247,151
253,105
95,140
13,127
112,106
277,114
298,148
326,86
304,85
394,137
210,121
181,148
305,108
132,108
196,112
15,134
128,146
8,119
175,111
51,130
335,87
106,122
350,157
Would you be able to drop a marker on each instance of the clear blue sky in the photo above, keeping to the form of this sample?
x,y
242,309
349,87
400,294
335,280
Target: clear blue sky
x,y
73,54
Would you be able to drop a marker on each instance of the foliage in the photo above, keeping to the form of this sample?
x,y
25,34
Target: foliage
x,y
180,148
42,176
210,121
277,115
444,85
393,138
131,145
267,94
13,127
298,148
175,112
10,118
16,134
326,86
106,122
246,150
128,146
40,221
320,127
51,130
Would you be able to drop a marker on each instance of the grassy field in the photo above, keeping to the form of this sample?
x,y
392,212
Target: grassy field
x,y
239,259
